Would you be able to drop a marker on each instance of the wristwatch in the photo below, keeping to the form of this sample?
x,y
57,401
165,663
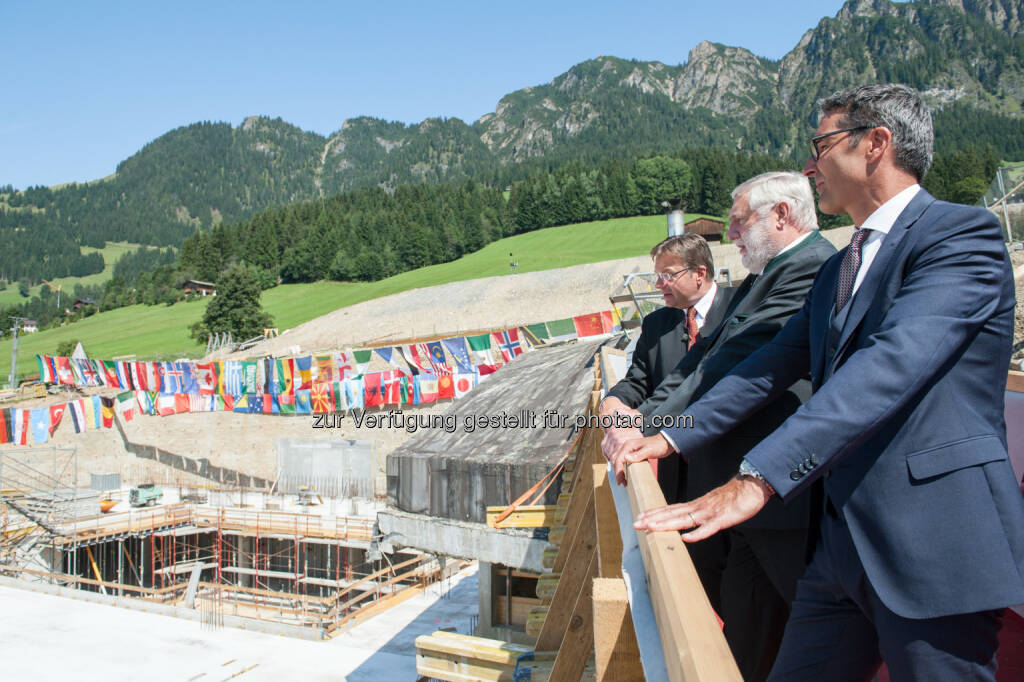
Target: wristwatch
x,y
747,470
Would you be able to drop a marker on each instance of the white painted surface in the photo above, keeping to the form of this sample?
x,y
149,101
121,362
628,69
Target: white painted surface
x,y
45,637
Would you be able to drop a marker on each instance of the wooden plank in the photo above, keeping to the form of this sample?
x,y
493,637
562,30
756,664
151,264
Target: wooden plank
x,y
578,640
533,516
609,540
546,586
616,653
694,646
1015,381
521,609
583,493
451,656
571,582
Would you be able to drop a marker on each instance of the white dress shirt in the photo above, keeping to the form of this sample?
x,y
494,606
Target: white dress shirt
x,y
880,222
704,304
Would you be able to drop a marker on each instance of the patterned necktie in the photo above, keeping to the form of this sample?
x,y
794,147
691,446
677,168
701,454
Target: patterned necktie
x,y
849,267
691,326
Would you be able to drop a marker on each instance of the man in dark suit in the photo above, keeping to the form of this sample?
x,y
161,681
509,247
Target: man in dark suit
x,y
906,335
685,274
750,573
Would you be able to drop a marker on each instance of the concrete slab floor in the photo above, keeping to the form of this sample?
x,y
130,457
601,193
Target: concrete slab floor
x,y
45,637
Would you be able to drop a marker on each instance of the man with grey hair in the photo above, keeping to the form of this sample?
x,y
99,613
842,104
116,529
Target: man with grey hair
x,y
694,303
906,335
750,574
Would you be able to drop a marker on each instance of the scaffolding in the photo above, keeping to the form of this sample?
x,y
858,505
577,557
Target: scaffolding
x,y
307,570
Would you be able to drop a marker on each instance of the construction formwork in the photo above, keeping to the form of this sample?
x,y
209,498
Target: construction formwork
x,y
309,569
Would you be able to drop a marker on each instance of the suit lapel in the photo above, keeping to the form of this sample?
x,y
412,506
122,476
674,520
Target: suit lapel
x,y
878,270
716,314
744,290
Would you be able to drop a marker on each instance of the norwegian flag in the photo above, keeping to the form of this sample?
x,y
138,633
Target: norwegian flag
x,y
508,344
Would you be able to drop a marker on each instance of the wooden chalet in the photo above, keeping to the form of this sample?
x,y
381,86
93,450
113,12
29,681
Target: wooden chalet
x,y
709,228
194,286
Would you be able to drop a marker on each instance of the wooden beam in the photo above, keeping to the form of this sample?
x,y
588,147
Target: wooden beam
x,y
582,496
1015,381
450,656
534,516
578,638
694,646
609,540
616,653
571,582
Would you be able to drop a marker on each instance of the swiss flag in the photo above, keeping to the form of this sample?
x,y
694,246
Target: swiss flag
x,y
64,374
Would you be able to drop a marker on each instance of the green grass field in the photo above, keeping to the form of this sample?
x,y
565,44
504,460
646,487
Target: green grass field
x,y
162,331
111,252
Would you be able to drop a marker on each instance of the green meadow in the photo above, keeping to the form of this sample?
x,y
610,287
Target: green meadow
x,y
111,252
162,331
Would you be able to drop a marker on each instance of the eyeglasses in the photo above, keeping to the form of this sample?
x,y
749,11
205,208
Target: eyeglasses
x,y
816,153
666,277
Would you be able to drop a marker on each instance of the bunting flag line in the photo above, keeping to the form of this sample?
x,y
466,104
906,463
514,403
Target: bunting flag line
x,y
19,426
304,367
47,372
40,420
5,425
480,347
464,382
78,415
361,358
561,330
508,344
56,413
588,325
456,348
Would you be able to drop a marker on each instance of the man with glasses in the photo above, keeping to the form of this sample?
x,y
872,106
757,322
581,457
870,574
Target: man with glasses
x,y
906,335
685,276
750,574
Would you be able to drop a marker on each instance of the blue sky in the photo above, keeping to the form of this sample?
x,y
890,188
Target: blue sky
x,y
87,84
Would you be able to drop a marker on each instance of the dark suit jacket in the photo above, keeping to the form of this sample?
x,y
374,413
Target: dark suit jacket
x,y
661,345
759,310
906,423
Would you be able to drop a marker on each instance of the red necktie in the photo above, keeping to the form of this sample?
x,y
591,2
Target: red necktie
x,y
848,268
691,326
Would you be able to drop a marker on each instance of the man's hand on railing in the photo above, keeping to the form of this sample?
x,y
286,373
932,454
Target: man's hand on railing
x,y
723,507
625,425
637,449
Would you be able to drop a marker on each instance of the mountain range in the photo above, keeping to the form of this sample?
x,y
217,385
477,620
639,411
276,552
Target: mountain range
x,y
966,56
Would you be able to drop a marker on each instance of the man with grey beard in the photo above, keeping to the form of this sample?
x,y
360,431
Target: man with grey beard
x,y
750,573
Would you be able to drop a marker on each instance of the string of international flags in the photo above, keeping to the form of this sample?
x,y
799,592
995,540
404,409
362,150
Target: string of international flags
x,y
311,384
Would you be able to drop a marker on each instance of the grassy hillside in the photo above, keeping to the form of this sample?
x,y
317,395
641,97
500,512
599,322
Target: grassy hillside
x,y
162,331
111,252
